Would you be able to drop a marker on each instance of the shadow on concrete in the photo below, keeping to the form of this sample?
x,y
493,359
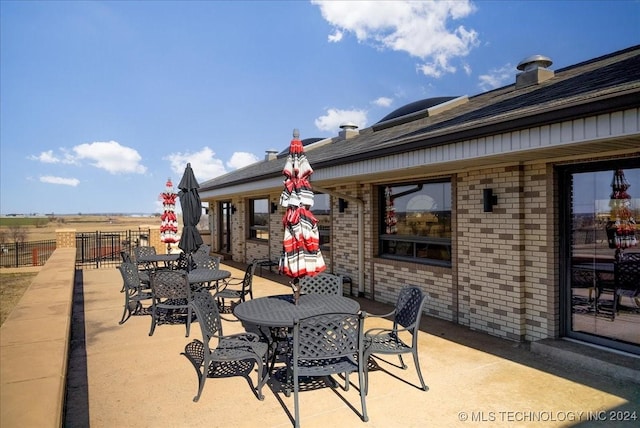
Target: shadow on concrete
x,y
76,410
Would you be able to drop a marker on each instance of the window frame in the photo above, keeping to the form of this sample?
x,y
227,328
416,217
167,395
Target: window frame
x,y
415,244
257,231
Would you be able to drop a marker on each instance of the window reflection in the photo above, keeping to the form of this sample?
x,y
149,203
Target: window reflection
x,y
259,219
416,221
603,235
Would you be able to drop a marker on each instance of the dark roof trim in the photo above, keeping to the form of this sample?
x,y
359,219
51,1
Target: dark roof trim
x,y
615,103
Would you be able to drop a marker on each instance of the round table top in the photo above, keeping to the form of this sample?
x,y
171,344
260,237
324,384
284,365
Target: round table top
x,y
207,275
159,258
280,311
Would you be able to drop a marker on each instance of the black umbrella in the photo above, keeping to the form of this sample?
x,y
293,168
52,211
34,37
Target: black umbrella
x,y
191,211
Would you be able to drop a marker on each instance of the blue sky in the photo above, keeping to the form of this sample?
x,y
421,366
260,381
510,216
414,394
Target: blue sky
x,y
102,101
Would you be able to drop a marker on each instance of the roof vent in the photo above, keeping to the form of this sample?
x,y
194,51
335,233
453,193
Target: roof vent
x,y
271,154
349,130
534,71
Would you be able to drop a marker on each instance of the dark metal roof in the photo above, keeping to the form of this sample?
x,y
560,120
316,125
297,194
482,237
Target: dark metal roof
x,y
597,86
415,107
305,143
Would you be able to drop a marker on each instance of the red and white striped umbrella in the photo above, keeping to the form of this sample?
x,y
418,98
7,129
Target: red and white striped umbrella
x,y
301,244
169,225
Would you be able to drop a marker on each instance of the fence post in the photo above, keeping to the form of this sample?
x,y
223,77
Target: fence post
x,y
34,257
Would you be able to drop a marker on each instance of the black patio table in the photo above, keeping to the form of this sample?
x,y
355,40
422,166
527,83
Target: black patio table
x,y
205,275
278,313
167,259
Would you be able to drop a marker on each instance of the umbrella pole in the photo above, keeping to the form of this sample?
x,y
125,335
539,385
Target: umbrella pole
x,y
295,285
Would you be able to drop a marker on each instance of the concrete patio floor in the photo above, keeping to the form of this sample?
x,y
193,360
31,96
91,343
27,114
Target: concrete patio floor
x,y
119,376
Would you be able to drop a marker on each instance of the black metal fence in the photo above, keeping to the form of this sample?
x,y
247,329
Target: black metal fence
x,y
100,249
23,254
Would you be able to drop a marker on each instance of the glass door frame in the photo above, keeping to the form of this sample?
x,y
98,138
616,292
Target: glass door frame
x,y
565,183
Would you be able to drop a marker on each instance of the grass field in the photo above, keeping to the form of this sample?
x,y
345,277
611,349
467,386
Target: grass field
x,y
12,287
43,228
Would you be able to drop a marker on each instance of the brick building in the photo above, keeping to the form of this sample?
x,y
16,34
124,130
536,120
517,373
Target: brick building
x,y
490,202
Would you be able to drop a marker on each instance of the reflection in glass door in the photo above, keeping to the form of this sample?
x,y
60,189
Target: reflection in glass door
x,y
602,303
224,227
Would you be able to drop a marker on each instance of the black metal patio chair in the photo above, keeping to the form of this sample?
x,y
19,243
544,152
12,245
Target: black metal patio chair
x,y
323,283
171,297
328,344
237,289
231,354
627,281
135,292
406,321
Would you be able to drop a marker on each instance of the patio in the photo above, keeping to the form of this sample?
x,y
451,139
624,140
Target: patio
x,y
119,376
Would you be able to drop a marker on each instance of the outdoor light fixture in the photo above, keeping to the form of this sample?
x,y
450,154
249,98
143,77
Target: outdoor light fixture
x,y
342,205
274,207
489,200
233,209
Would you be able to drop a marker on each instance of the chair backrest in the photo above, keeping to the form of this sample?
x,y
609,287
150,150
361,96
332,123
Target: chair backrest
x,y
129,272
205,261
409,308
627,273
247,281
327,336
143,251
126,257
206,310
323,283
170,284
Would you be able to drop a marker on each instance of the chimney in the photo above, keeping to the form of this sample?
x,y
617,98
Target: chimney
x,y
534,71
271,155
349,130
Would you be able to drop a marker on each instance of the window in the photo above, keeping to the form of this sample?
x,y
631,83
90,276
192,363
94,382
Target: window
x,y
259,219
416,222
600,208
322,211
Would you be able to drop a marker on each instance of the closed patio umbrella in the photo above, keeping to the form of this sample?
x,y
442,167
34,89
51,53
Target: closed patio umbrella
x,y
169,225
191,211
301,244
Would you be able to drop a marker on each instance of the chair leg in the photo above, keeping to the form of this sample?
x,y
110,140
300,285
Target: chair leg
x,y
402,364
417,364
363,394
188,320
124,313
202,377
262,378
296,404
365,370
153,320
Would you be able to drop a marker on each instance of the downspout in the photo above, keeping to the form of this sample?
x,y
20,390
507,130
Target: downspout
x,y
360,205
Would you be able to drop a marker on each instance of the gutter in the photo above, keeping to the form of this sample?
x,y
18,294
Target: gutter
x,y
360,204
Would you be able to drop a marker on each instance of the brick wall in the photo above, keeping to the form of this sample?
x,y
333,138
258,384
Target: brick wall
x,y
65,238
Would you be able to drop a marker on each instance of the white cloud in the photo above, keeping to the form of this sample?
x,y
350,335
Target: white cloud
x,y
496,77
383,102
49,157
336,36
111,156
45,157
204,164
60,180
242,159
331,121
421,29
